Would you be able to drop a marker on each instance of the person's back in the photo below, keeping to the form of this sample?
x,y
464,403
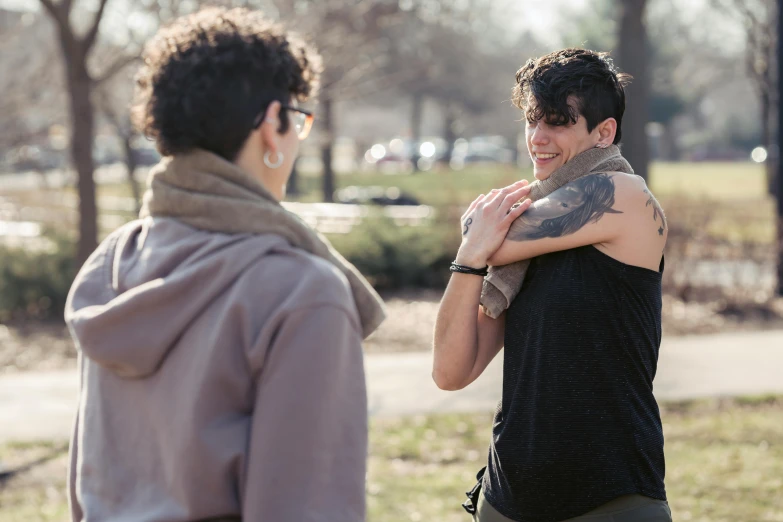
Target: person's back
x,y
222,376
219,336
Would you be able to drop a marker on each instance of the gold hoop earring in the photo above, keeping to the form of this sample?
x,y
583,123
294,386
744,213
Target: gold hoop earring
x,y
277,163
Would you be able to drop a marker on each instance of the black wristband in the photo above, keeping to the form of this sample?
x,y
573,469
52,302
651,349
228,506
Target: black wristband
x,y
462,269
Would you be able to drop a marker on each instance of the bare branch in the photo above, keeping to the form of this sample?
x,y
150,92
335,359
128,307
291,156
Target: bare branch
x,y
89,38
367,87
111,114
59,13
49,6
116,67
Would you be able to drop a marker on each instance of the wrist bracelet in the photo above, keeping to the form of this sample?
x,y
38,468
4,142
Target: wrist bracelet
x,y
462,269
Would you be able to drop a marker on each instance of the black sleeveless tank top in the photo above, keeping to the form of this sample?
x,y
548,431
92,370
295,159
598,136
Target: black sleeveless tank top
x,y
578,425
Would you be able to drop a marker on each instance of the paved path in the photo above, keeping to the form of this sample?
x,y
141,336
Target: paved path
x,y
41,405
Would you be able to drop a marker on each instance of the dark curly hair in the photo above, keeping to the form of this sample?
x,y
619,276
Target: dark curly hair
x,y
208,75
544,86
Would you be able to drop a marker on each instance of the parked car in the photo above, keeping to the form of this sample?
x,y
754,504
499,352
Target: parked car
x,y
398,155
481,149
34,157
146,156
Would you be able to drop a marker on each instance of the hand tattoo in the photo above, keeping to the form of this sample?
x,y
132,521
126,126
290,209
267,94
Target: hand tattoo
x,y
467,226
566,210
657,211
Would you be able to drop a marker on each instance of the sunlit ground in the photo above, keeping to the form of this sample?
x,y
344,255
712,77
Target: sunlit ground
x,y
724,464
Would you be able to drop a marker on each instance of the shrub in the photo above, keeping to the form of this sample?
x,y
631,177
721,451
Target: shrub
x,y
34,283
393,256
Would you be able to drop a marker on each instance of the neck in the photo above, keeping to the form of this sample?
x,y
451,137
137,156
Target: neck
x,y
255,167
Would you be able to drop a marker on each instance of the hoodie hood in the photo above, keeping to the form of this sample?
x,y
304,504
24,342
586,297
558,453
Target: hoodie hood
x,y
128,307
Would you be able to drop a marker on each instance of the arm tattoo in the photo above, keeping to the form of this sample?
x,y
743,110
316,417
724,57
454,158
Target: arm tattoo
x,y
657,211
566,210
468,222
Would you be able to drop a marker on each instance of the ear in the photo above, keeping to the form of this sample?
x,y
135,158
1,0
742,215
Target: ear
x,y
607,130
270,126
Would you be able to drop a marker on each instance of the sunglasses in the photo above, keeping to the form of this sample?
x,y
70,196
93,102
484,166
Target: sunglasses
x,y
301,119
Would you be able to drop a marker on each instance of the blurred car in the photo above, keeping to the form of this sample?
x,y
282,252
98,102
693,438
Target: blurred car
x,y
399,154
146,156
34,158
374,195
481,149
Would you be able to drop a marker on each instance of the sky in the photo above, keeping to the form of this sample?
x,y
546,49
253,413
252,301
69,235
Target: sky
x,y
540,17
22,5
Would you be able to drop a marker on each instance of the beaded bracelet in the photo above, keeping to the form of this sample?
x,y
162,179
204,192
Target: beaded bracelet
x,y
462,269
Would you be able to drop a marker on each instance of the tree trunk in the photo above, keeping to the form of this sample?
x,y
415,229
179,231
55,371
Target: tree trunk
x,y
327,123
449,130
779,194
417,102
633,59
770,165
670,150
130,168
82,130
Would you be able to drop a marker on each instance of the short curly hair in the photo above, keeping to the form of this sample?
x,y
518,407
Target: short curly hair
x,y
208,75
544,86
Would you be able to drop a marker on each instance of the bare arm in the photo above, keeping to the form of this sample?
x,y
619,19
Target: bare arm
x,y
466,340
583,212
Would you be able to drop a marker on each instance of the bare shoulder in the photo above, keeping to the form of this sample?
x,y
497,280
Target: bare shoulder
x,y
627,184
634,197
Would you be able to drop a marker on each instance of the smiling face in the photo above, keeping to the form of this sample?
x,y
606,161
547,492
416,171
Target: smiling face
x,y
573,100
552,145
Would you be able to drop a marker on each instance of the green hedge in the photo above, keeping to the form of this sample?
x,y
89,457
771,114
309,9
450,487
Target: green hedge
x,y
34,283
394,257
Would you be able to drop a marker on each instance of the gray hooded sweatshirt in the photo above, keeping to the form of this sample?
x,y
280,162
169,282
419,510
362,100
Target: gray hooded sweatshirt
x,y
221,376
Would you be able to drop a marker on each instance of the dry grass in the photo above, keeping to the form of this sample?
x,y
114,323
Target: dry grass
x,y
724,464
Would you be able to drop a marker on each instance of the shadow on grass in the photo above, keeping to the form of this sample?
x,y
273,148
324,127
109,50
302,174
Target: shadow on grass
x,y
7,475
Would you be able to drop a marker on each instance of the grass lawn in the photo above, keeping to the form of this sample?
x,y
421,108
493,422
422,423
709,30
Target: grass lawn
x,y
714,181
724,464
729,198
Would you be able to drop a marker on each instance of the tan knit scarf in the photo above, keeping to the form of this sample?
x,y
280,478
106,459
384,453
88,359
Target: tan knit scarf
x,y
207,192
503,283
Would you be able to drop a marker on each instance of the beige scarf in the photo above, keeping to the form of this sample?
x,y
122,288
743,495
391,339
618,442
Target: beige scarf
x,y
207,192
503,283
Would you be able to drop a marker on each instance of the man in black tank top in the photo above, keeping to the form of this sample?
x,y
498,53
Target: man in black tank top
x,y
577,435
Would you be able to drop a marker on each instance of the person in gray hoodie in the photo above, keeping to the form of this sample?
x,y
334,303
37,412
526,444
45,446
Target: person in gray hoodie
x,y
219,336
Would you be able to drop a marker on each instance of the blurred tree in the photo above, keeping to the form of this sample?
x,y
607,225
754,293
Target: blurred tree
x,y
76,47
113,99
759,20
349,36
595,28
633,58
686,64
454,60
675,80
31,99
664,107
780,147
